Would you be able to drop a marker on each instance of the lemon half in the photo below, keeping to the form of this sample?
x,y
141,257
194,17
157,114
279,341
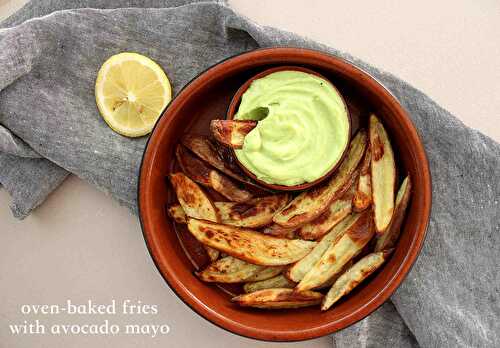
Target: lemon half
x,y
131,91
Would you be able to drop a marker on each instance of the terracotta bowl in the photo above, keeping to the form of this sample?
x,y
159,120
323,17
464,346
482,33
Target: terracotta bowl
x,y
233,108
177,255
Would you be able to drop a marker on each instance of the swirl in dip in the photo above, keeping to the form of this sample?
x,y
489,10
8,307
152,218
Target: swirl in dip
x,y
302,132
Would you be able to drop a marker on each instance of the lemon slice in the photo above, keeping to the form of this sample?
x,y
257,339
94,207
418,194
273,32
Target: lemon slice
x,y
131,91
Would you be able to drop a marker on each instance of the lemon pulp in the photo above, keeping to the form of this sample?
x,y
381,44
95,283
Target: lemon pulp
x,y
131,91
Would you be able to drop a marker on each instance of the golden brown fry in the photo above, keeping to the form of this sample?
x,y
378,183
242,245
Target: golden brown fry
x,y
253,214
231,132
249,245
229,270
339,253
202,147
317,228
279,231
353,276
383,173
213,254
192,166
298,270
266,273
389,238
280,281
363,194
278,298
333,279
226,187
192,199
176,212
310,204
195,203
204,174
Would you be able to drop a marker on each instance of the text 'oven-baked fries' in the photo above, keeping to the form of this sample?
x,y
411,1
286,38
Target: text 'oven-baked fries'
x,y
278,298
284,248
311,203
249,245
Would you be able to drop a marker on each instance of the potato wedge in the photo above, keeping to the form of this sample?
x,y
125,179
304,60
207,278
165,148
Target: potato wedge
x,y
192,199
229,270
298,270
195,203
204,174
333,279
390,237
266,273
317,228
278,298
310,204
363,193
353,276
249,245
226,187
280,281
339,253
213,254
253,214
176,212
383,173
231,132
279,231
192,166
203,147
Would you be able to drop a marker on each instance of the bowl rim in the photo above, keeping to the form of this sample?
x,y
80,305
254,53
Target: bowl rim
x,y
380,298
235,101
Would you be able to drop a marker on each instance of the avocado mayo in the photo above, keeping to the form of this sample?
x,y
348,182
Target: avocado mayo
x,y
303,128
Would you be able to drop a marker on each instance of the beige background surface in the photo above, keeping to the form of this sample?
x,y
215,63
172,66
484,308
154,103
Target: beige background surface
x,y
81,245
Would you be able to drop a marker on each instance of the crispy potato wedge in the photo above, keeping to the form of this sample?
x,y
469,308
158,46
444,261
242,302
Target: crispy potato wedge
x,y
338,254
280,281
266,273
204,174
353,276
317,228
279,231
226,187
390,237
278,298
312,203
195,203
192,199
203,147
383,174
229,270
192,166
213,254
333,279
249,245
253,214
176,212
298,270
231,133
363,193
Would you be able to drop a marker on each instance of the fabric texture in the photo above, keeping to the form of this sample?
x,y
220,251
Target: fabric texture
x,y
50,126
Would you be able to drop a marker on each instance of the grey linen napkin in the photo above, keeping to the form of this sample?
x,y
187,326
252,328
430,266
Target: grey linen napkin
x,y
49,127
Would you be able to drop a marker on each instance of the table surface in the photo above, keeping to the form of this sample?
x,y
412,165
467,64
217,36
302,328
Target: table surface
x,y
82,245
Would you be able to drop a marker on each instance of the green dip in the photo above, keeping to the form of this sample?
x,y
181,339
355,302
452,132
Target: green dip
x,y
303,128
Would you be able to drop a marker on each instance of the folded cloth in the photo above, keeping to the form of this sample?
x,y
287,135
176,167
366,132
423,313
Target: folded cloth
x,y
51,127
